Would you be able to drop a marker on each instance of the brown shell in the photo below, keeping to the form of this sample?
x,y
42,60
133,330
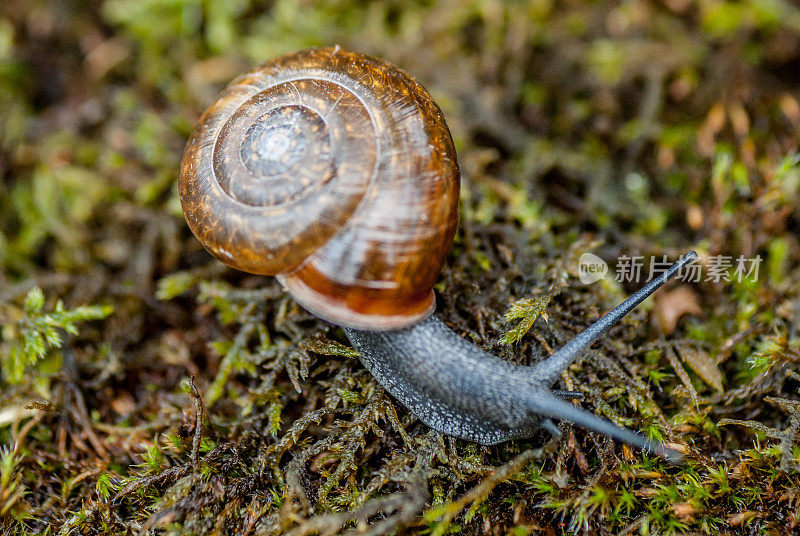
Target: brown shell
x,y
334,170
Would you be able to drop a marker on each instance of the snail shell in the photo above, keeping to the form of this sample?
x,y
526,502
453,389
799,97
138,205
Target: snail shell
x,y
335,171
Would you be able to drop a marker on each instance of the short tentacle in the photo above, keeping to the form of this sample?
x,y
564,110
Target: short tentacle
x,y
568,395
551,428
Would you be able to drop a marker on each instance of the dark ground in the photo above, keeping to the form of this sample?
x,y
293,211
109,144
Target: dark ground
x,y
622,128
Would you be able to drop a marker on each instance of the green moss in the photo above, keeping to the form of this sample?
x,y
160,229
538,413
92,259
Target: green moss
x,y
36,332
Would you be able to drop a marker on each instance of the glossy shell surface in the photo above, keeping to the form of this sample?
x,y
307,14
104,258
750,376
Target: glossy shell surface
x,y
335,171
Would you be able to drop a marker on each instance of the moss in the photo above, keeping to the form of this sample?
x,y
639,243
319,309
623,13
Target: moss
x,y
638,129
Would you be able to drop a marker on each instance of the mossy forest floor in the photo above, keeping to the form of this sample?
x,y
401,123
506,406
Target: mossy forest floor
x,y
631,128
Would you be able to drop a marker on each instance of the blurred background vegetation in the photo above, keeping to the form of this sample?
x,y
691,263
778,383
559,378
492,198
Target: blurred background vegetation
x,y
635,127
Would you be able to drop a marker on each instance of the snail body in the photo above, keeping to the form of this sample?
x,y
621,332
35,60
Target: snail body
x,y
336,172
466,392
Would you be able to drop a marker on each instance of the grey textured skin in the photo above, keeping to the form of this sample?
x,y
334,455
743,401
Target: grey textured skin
x,y
460,390
451,385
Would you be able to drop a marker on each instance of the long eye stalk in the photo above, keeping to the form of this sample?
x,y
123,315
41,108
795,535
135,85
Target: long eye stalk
x,y
549,370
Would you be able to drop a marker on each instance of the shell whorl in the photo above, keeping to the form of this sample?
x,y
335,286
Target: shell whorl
x,y
335,171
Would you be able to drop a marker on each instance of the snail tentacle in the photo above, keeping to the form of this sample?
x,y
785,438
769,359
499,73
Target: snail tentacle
x,y
551,428
568,395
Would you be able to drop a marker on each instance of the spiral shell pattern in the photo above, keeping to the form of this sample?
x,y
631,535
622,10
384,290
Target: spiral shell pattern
x,y
335,171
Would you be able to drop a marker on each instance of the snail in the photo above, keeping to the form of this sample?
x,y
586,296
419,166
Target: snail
x,y
336,172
